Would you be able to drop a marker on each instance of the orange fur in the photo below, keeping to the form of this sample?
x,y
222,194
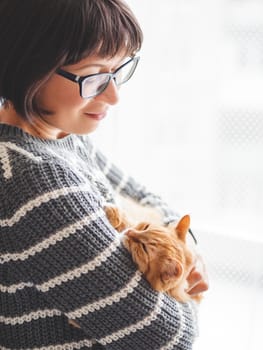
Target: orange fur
x,y
160,252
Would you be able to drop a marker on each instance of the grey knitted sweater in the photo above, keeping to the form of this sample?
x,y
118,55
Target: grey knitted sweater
x,y
60,258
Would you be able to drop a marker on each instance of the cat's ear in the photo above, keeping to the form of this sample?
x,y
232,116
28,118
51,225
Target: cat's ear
x,y
171,270
182,227
142,226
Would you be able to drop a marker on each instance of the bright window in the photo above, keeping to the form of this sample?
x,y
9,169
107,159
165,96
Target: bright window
x,y
190,126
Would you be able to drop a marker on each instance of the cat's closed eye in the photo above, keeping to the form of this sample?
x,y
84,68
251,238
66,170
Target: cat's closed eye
x,y
142,226
144,247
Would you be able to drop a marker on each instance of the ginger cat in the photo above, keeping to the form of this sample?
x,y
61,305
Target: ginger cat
x,y
160,252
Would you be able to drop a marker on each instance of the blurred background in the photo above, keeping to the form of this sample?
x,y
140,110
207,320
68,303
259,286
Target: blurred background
x,y
189,125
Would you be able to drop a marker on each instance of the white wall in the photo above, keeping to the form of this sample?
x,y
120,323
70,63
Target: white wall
x,y
190,125
192,114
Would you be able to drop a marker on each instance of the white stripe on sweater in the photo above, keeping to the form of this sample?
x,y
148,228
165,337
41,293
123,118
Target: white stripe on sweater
x,y
107,167
77,272
15,287
4,159
136,326
114,298
43,198
66,346
34,315
52,240
20,150
122,183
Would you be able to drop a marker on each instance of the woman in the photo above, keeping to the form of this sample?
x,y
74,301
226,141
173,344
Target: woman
x,y
61,65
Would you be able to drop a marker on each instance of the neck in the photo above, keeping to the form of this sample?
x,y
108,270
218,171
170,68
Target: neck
x,y
37,127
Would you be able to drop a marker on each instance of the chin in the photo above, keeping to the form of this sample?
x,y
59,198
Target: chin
x,y
85,131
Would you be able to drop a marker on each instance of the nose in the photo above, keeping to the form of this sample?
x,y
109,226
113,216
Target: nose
x,y
132,234
110,94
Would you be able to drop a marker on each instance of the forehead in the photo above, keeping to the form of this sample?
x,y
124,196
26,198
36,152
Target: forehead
x,y
158,234
99,62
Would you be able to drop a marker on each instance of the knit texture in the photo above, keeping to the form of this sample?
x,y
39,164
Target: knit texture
x,y
60,258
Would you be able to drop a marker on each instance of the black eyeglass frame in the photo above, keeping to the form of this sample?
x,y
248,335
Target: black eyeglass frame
x,y
79,79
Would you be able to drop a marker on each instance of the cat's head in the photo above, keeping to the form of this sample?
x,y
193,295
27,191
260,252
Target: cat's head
x,y
160,252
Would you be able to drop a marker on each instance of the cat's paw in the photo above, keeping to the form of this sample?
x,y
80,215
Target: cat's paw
x,y
115,217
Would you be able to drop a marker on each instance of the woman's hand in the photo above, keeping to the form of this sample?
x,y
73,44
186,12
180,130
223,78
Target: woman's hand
x,y
197,278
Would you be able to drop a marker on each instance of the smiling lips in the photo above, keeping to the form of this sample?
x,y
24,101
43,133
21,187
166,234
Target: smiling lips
x,y
96,116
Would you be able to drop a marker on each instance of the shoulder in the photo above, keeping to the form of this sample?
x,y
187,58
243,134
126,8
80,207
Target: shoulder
x,y
28,172
18,159
11,154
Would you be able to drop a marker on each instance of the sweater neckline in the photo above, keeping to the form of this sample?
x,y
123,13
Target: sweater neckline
x,y
13,132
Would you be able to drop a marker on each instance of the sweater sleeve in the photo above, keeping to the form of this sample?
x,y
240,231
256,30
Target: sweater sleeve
x,y
128,186
67,249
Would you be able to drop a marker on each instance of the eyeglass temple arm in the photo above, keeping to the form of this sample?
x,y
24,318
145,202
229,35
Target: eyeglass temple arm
x,y
68,75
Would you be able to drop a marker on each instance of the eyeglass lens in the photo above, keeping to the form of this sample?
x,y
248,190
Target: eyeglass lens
x,y
95,85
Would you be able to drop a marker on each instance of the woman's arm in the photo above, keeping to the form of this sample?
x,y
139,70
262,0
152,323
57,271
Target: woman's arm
x,y
127,186
74,258
197,279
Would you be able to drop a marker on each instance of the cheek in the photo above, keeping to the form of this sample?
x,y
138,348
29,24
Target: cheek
x,y
59,94
153,276
139,257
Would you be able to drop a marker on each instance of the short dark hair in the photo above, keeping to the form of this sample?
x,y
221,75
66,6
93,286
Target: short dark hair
x,y
38,36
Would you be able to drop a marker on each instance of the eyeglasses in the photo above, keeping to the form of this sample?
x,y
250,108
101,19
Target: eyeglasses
x,y
94,84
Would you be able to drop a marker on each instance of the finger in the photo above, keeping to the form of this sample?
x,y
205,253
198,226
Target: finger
x,y
198,288
194,277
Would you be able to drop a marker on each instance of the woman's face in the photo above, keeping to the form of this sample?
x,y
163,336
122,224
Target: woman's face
x,y
70,112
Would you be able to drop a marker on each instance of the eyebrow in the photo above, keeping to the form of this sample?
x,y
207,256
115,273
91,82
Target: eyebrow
x,y
92,65
100,65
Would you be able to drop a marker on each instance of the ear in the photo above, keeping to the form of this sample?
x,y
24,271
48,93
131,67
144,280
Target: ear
x,y
171,270
182,227
142,226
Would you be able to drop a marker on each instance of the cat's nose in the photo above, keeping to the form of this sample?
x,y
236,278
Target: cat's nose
x,y
133,235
